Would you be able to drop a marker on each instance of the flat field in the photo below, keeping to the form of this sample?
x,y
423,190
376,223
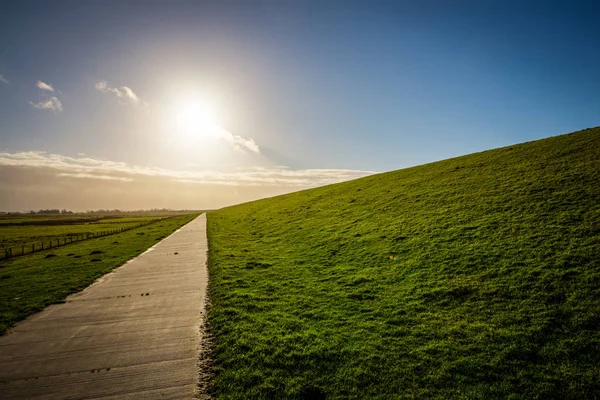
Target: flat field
x,y
22,231
31,282
474,277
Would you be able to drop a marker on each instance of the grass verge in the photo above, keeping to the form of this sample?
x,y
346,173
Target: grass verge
x,y
474,277
32,282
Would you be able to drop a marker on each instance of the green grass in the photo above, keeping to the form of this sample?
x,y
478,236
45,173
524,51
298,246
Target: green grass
x,y
17,232
30,283
474,277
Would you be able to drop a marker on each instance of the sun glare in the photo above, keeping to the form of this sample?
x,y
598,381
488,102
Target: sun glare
x,y
197,119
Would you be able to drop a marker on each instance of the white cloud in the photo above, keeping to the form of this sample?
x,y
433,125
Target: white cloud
x,y
53,103
34,180
44,86
123,92
249,143
129,93
238,142
85,167
3,79
92,176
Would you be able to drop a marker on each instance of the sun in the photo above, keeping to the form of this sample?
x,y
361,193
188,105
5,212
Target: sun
x,y
197,120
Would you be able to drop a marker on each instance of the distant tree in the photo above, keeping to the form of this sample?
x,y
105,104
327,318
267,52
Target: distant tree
x,y
49,211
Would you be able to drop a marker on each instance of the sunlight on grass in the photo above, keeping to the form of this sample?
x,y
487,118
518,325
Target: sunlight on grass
x,y
474,277
31,282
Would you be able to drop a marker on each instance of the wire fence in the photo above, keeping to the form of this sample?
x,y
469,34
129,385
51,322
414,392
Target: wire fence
x,y
51,243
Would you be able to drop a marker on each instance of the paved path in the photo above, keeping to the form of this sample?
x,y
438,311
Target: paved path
x,y
134,334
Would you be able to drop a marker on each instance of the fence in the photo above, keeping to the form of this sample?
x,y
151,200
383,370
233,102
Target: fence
x,y
11,252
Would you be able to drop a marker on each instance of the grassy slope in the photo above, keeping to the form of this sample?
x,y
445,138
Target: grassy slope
x,y
474,277
30,283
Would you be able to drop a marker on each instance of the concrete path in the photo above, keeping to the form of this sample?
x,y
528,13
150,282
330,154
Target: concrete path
x,y
134,334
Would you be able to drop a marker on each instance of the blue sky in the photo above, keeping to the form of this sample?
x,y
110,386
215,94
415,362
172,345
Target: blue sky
x,y
352,87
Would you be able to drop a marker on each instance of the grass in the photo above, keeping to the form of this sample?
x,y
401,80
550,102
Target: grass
x,y
32,282
473,277
17,232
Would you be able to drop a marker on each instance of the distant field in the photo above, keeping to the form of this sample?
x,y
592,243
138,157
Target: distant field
x,y
31,282
474,277
20,233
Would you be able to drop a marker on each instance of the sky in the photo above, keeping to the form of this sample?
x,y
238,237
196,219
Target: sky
x,y
204,104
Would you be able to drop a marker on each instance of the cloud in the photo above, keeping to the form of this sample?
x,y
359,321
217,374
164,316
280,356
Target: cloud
x,y
249,143
238,142
86,167
34,180
53,103
92,176
44,86
3,79
123,92
129,94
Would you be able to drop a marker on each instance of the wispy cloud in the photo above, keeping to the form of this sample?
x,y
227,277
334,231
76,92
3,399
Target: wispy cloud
x,y
3,79
44,86
85,167
123,93
92,176
53,103
238,142
50,103
34,180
